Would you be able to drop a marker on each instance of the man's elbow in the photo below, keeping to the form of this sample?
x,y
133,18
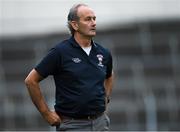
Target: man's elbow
x,y
27,81
32,79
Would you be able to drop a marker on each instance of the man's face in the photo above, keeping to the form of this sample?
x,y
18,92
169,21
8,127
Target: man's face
x,y
87,22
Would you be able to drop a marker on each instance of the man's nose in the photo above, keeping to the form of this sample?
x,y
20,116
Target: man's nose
x,y
93,22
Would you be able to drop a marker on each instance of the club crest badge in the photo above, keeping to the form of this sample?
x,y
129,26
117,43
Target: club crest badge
x,y
100,59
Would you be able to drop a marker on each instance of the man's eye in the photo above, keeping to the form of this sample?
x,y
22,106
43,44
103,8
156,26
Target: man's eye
x,y
88,19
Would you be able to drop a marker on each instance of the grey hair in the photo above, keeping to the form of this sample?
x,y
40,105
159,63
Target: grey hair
x,y
73,16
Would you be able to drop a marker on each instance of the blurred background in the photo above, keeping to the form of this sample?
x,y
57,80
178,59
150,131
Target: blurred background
x,y
143,36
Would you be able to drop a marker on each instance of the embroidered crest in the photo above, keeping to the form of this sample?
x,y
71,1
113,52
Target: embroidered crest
x,y
76,60
100,58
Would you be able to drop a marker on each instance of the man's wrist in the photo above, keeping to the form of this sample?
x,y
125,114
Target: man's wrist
x,y
45,112
107,99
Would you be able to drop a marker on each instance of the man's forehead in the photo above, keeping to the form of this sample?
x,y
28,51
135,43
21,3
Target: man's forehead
x,y
85,11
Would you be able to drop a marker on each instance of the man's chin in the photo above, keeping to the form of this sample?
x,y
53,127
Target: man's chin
x,y
92,34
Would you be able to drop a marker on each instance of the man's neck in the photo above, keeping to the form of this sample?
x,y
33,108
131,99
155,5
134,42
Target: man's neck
x,y
82,41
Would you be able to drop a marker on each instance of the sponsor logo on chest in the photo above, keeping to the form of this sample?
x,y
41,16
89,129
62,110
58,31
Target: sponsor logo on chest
x,y
76,60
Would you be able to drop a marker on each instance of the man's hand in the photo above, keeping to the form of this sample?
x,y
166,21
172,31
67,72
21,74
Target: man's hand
x,y
52,118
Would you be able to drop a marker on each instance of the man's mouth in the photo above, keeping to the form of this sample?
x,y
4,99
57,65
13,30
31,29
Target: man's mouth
x,y
93,29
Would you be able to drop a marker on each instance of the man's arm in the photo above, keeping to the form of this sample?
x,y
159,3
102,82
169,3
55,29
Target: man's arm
x,y
108,84
32,83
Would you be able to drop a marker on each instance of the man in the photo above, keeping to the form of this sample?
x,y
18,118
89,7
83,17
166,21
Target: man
x,y
82,72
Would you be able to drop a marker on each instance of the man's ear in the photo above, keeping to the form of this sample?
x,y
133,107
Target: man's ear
x,y
74,25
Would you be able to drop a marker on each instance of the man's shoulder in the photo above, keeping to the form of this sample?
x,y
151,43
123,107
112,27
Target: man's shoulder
x,y
63,45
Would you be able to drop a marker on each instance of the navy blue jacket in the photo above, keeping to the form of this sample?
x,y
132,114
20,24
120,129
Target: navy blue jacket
x,y
79,78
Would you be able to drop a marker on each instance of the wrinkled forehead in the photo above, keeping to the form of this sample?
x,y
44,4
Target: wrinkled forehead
x,y
85,11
